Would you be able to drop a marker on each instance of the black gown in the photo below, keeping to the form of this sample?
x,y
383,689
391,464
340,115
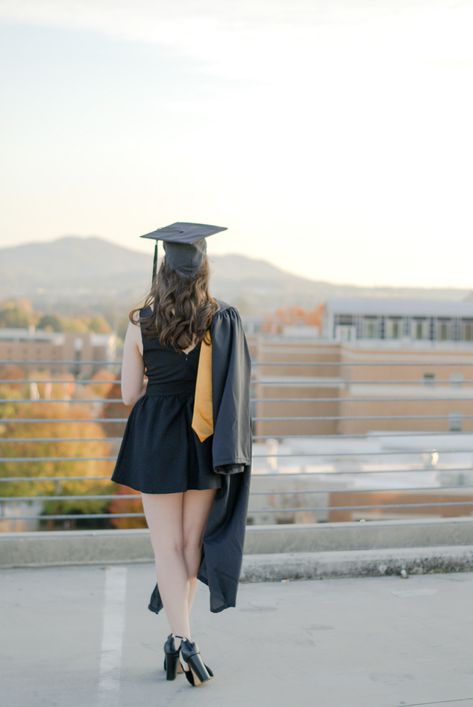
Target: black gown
x,y
159,451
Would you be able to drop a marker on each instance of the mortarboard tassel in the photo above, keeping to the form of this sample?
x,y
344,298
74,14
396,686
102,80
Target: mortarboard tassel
x,y
155,260
202,418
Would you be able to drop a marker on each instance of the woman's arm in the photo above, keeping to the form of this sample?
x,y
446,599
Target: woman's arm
x,y
133,384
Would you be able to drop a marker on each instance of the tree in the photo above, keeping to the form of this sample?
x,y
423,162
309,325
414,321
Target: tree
x,y
113,410
49,322
49,441
274,322
78,326
126,505
101,389
99,324
15,316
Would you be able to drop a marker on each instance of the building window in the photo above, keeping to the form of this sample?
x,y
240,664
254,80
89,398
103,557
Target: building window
x,y
444,329
345,333
457,378
344,319
455,422
344,329
429,378
467,331
420,328
370,328
393,328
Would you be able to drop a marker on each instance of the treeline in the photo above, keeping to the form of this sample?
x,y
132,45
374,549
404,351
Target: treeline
x,y
54,439
20,313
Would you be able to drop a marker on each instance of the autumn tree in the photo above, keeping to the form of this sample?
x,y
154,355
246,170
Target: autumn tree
x,y
16,314
55,439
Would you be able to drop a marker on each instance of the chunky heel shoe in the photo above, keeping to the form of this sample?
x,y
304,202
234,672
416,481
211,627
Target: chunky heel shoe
x,y
172,664
194,667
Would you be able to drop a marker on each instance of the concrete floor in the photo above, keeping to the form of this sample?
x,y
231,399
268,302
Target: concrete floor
x,y
74,636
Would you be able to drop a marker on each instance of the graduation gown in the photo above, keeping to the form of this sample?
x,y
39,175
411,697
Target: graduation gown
x,y
222,547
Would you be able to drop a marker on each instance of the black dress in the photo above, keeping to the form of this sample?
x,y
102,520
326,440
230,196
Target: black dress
x,y
160,452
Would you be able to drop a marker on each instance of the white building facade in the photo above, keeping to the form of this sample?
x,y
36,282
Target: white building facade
x,y
350,319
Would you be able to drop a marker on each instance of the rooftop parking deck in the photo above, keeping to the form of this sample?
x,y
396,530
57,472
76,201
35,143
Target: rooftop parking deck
x,y
82,635
338,512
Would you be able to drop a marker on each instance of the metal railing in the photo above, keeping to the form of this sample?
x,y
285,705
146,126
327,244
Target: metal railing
x,y
421,459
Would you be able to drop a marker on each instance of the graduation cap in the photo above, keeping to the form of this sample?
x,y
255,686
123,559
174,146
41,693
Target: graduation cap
x,y
184,244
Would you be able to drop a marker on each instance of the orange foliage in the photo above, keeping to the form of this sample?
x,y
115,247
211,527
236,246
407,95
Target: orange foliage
x,y
283,316
129,505
12,372
102,389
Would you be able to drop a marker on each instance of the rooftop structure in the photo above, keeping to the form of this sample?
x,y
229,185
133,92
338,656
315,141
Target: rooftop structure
x,y
355,318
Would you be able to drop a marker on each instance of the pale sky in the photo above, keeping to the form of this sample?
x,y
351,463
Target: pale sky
x,y
332,138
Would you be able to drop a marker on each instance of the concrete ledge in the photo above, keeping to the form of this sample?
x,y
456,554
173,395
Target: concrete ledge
x,y
77,547
312,537
356,563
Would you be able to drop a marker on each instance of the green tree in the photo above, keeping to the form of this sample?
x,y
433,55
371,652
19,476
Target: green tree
x,y
49,322
99,324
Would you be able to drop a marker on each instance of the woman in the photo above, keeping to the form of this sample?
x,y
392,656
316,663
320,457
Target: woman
x,y
187,442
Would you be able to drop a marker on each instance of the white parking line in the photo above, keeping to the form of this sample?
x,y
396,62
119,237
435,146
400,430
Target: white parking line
x,y
112,635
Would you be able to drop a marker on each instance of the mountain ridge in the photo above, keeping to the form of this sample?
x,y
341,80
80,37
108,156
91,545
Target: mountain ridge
x,y
72,270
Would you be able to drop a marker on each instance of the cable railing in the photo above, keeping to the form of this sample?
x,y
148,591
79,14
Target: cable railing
x,y
292,464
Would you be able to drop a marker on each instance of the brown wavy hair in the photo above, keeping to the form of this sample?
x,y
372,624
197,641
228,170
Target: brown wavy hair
x,y
183,309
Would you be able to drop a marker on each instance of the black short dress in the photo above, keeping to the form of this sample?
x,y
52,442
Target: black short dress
x,y
160,452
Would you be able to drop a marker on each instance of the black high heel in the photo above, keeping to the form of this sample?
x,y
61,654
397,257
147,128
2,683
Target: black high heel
x,y
196,671
172,664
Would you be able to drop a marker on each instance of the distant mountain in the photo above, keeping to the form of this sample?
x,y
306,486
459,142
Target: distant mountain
x,y
73,274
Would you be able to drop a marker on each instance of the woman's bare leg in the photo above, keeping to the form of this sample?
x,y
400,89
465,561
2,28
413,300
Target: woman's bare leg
x,y
164,516
195,511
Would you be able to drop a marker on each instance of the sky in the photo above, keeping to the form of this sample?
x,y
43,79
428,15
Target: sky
x,y
332,138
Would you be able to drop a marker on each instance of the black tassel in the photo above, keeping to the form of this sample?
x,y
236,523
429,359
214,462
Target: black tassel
x,y
155,260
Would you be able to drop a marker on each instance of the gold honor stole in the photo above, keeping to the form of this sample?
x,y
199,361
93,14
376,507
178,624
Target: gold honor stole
x,y
202,418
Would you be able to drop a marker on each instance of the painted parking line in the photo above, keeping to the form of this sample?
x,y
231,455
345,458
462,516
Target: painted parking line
x,y
112,635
